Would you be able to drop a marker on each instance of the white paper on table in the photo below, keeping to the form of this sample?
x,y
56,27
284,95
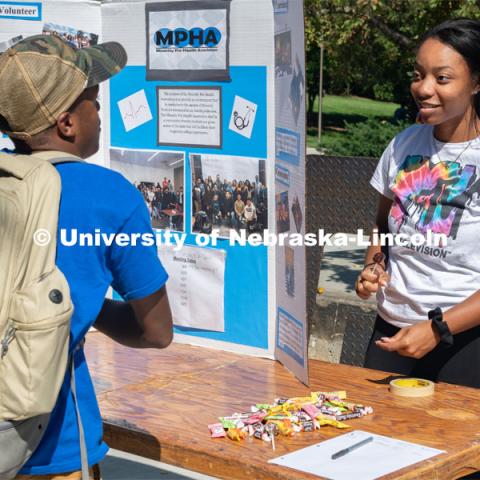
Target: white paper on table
x,y
381,456
135,110
243,115
195,286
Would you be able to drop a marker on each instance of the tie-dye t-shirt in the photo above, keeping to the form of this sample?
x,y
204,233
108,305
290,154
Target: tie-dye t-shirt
x,y
434,186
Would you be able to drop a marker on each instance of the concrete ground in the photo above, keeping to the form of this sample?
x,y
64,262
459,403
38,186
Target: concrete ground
x,y
125,466
340,267
340,326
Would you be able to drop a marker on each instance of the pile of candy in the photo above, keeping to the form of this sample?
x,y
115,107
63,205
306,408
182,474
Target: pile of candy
x,y
288,416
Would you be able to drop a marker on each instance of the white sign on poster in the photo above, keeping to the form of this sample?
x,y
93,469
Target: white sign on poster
x,y
188,40
195,286
190,116
243,117
21,10
135,110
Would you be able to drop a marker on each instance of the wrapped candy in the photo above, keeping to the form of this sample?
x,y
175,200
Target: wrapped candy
x,y
284,427
289,416
311,410
334,423
217,430
236,434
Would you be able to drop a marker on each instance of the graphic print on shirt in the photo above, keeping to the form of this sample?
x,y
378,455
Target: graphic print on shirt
x,y
433,195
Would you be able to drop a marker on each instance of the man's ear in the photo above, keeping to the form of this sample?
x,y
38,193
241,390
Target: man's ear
x,y
66,125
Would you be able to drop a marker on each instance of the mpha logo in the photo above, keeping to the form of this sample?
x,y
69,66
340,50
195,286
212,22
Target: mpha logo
x,y
180,37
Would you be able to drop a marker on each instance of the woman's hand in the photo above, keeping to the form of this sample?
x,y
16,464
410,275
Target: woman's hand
x,y
414,341
370,280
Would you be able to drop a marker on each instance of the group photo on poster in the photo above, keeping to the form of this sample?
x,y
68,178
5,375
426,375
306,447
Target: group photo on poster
x,y
297,213
159,177
74,37
228,193
10,42
282,212
283,54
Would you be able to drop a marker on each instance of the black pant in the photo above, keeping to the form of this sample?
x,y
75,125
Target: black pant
x,y
459,364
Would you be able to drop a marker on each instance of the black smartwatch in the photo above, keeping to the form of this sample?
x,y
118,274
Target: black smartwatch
x,y
446,337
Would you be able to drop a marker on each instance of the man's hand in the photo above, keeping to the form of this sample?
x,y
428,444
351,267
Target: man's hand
x,y
369,282
415,341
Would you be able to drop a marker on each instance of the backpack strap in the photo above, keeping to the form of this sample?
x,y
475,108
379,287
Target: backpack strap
x,y
55,157
55,161
20,166
81,433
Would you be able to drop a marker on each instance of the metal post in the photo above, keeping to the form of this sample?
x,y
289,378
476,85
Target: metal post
x,y
320,96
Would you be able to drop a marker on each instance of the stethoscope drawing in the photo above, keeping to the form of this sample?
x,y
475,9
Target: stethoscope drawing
x,y
242,122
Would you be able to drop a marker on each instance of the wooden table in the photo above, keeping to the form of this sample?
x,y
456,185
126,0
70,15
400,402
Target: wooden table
x,y
157,403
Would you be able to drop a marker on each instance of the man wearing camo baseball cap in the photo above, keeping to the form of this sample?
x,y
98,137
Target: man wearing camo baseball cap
x,y
42,77
48,105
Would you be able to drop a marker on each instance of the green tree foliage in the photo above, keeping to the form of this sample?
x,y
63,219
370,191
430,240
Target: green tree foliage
x,y
370,44
365,139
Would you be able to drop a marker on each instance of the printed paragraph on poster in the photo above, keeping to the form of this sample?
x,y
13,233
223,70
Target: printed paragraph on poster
x,y
189,116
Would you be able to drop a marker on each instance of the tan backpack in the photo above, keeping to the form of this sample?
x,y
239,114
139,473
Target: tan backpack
x,y
35,304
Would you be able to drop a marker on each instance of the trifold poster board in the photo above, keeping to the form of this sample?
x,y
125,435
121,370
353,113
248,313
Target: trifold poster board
x,y
291,343
207,120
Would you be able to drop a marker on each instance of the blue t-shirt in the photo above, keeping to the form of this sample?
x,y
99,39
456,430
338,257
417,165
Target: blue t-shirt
x,y
93,198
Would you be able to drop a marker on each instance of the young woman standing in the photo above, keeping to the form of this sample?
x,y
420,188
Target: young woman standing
x,y
428,322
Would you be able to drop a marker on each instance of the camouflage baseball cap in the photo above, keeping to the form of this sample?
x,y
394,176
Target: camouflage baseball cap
x,y
42,76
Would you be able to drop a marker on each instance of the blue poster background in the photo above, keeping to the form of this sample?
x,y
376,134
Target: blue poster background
x,y
246,270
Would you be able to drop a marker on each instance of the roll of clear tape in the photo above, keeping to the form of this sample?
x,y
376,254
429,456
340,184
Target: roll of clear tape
x,y
412,387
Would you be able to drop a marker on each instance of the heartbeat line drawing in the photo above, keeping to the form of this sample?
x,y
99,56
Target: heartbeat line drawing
x,y
132,112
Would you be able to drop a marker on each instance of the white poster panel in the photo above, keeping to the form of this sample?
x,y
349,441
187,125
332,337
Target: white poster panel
x,y
292,325
242,60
